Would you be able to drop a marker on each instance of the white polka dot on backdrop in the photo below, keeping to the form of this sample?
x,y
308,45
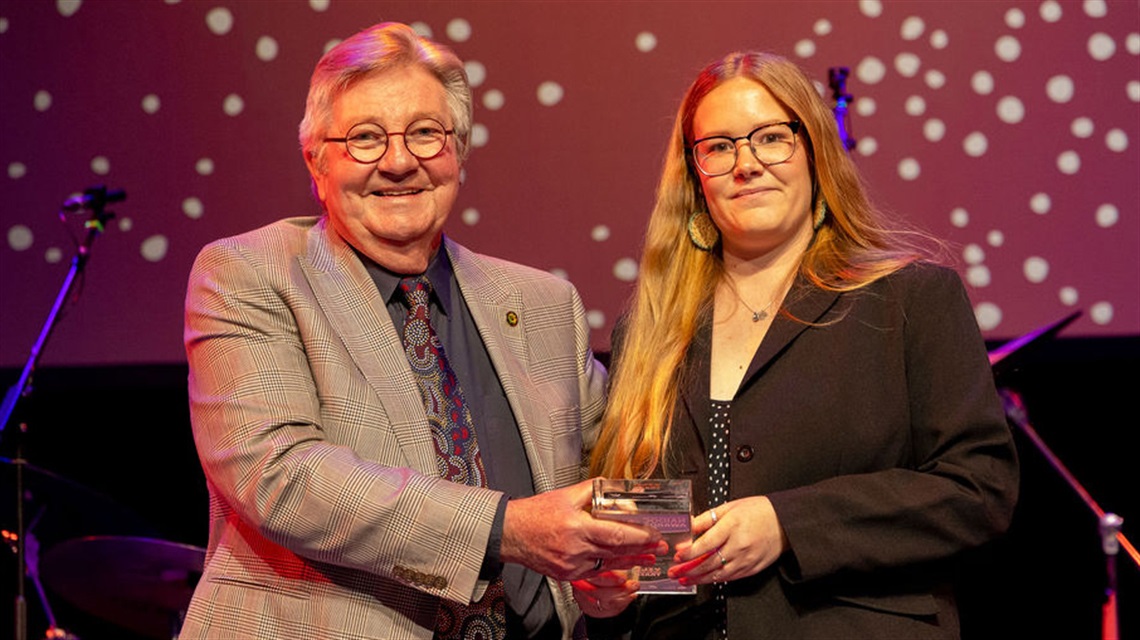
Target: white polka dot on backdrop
x,y
1000,130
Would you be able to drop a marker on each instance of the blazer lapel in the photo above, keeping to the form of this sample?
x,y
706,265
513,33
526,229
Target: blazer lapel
x,y
695,388
498,311
349,298
806,304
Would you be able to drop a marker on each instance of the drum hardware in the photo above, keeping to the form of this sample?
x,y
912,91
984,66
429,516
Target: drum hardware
x,y
1112,539
141,584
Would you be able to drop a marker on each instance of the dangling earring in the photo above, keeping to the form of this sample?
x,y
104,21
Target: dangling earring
x,y
820,213
702,232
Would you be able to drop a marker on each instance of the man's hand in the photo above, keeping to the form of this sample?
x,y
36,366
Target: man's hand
x,y
605,595
554,534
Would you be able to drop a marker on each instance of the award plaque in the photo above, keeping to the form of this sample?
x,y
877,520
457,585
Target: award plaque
x,y
661,504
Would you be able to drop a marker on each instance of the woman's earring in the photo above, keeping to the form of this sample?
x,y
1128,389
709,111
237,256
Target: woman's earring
x,y
820,213
702,232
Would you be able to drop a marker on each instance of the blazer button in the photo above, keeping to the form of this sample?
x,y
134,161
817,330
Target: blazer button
x,y
744,453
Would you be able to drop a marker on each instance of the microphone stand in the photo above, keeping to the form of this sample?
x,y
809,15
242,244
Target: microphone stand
x,y
1109,523
95,200
1112,539
837,79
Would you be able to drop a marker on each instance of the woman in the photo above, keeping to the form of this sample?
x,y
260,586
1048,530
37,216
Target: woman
x,y
810,368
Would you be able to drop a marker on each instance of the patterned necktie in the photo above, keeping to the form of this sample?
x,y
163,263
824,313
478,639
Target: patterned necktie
x,y
457,452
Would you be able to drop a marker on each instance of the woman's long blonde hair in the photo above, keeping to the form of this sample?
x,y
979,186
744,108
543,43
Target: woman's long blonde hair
x,y
853,248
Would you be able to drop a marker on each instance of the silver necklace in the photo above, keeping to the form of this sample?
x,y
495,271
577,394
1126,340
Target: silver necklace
x,y
757,316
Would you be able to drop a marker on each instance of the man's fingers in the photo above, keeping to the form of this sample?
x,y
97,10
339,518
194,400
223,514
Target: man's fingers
x,y
629,562
603,580
624,538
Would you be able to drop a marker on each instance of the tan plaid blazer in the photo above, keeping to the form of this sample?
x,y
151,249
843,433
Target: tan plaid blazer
x,y
326,517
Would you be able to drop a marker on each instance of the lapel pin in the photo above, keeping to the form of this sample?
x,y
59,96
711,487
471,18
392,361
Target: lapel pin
x,y
512,318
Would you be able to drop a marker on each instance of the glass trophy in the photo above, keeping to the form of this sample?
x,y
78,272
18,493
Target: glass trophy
x,y
664,505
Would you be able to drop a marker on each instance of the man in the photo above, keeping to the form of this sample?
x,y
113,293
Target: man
x,y
332,511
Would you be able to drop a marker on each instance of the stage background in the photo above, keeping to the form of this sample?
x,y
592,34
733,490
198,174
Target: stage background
x,y
1008,128
1011,129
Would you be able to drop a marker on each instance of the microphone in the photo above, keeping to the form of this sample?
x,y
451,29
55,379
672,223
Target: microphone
x,y
93,199
837,79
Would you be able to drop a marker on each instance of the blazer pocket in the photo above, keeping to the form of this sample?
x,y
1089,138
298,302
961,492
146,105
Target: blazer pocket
x,y
565,438
276,587
909,604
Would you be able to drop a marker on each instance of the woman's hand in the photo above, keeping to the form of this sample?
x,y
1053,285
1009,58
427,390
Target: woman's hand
x,y
734,540
606,594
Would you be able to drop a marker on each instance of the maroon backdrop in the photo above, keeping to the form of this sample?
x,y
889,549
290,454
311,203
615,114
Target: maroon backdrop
x,y
1008,128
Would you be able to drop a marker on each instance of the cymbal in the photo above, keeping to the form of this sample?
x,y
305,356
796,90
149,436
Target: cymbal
x,y
57,508
142,584
1001,360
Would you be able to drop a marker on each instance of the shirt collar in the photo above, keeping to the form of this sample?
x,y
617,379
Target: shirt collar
x,y
439,272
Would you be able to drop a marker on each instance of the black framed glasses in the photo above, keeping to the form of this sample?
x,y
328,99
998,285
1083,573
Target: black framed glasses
x,y
367,142
771,144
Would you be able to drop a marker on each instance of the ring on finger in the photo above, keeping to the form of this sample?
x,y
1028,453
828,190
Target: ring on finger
x,y
712,512
721,557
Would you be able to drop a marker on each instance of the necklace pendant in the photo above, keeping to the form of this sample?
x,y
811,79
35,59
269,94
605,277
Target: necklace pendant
x,y
757,316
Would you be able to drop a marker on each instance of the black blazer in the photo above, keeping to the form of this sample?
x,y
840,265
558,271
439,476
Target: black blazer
x,y
872,423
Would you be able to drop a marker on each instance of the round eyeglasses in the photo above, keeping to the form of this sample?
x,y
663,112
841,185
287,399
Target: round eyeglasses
x,y
367,142
771,144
